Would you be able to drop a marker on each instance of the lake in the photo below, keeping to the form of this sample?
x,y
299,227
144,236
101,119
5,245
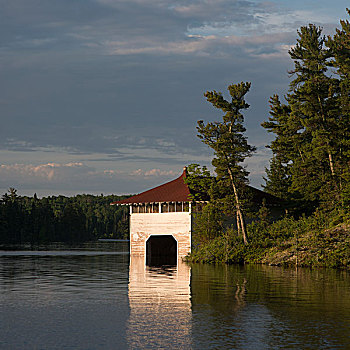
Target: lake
x,y
93,296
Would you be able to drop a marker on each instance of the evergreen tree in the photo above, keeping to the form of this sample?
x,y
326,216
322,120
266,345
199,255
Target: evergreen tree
x,y
206,205
54,219
230,146
340,46
73,227
278,179
13,217
285,147
312,100
308,127
200,182
208,223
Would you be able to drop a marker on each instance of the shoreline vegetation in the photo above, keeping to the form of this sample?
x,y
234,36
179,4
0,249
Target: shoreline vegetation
x,y
320,240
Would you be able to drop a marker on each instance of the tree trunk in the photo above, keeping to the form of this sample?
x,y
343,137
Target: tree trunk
x,y
238,223
331,162
328,151
239,211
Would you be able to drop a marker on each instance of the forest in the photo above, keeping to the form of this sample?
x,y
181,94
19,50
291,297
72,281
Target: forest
x,y
60,219
309,170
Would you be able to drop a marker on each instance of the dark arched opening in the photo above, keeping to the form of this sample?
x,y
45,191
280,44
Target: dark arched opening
x,y
161,250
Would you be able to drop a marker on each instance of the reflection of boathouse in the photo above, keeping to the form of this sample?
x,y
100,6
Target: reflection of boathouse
x,y
160,222
160,306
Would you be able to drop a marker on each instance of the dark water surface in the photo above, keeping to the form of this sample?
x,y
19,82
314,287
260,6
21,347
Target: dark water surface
x,y
95,297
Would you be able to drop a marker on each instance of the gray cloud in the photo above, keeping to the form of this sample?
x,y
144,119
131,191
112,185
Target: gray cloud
x,y
103,81
53,177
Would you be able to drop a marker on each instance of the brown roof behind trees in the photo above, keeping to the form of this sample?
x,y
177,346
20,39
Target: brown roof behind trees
x,y
257,197
173,191
178,191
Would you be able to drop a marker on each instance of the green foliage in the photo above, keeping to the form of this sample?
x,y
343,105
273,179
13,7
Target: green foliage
x,y
278,179
230,147
222,249
312,100
227,138
310,165
200,182
264,214
311,148
323,239
60,219
339,44
208,223
208,216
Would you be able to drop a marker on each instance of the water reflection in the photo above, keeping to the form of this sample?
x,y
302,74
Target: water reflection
x,y
262,307
160,307
61,270
59,300
95,298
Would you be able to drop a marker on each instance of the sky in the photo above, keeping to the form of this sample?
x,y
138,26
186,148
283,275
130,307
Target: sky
x,y
103,96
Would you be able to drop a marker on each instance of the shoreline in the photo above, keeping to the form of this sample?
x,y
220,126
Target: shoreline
x,y
307,242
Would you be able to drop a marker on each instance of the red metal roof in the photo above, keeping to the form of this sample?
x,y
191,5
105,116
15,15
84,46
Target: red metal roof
x,y
173,191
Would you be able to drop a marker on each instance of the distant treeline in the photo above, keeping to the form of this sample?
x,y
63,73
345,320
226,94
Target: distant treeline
x,y
60,219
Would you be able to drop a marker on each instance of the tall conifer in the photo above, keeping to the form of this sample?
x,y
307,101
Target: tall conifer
x,y
340,46
230,145
307,128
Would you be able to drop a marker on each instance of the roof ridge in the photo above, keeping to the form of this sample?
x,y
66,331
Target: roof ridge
x,y
172,191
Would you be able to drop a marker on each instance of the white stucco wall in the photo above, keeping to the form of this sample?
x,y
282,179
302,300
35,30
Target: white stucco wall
x,y
177,224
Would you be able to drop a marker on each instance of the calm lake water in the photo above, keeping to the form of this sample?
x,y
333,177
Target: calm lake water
x,y
95,297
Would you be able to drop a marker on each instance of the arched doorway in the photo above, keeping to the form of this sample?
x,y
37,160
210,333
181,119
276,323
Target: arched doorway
x,y
161,250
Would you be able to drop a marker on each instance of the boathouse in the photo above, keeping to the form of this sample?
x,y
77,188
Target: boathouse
x,y
160,222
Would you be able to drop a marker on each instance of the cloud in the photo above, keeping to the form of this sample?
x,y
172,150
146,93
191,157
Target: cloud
x,y
207,45
260,23
122,144
36,42
139,27
215,10
117,85
153,172
181,47
44,172
81,177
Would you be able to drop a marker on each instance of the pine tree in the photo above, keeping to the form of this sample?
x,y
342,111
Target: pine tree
x,y
200,181
278,179
340,46
285,147
313,102
206,205
307,128
230,145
